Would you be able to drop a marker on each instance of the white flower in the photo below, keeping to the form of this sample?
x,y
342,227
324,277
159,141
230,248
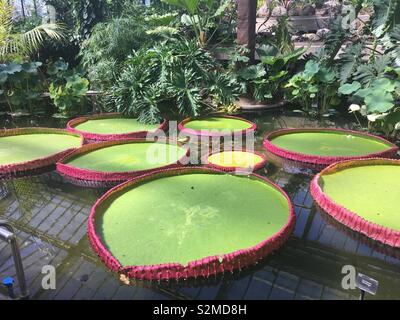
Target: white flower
x,y
354,107
376,116
363,110
397,126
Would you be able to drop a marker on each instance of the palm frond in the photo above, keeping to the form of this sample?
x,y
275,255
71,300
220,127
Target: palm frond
x,y
24,43
32,40
5,15
5,22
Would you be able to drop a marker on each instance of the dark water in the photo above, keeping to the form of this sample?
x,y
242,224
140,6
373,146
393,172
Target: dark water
x,y
51,215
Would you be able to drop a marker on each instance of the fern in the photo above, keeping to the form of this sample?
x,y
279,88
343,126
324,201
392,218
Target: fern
x,y
115,40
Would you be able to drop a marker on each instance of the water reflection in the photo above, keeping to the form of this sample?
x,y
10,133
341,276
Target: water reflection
x,y
51,215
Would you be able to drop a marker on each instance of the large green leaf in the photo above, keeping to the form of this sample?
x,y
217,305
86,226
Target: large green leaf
x,y
349,61
379,101
31,67
11,68
294,55
349,88
326,75
252,72
161,19
311,68
266,50
57,67
383,84
187,94
278,76
391,120
3,78
163,31
362,93
190,5
275,62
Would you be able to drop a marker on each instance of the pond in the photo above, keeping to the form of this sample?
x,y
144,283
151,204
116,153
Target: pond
x,y
51,214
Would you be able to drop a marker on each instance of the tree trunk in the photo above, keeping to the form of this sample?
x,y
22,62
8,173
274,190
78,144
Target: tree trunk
x,y
35,7
23,8
246,25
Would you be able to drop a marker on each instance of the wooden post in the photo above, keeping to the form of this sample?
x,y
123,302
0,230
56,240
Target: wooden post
x,y
246,25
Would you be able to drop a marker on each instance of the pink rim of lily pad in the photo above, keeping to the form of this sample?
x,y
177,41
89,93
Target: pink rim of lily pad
x,y
90,136
257,166
16,168
345,216
324,160
359,237
214,133
99,176
206,267
292,166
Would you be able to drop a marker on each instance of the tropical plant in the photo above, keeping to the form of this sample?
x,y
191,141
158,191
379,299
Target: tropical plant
x,y
20,86
364,72
67,89
26,24
69,98
175,77
282,39
279,34
204,16
314,88
87,14
369,67
112,42
378,101
265,81
21,45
